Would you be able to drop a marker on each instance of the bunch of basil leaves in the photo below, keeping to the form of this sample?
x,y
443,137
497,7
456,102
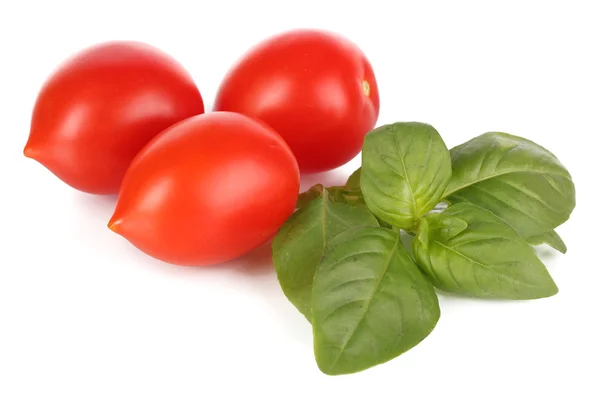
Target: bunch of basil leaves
x,y
472,212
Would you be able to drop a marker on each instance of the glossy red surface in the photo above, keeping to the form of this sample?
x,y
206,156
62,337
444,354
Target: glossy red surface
x,y
101,106
315,88
207,190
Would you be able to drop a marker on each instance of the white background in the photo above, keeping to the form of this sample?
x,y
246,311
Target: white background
x,y
84,315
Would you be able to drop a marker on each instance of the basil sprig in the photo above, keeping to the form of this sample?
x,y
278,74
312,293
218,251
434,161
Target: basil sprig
x,y
474,212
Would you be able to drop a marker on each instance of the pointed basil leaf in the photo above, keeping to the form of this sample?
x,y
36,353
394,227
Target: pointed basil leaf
x,y
300,243
551,238
349,193
405,170
353,181
312,193
516,179
370,302
487,259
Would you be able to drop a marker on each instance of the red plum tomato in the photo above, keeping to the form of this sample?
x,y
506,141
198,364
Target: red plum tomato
x,y
316,88
207,190
101,106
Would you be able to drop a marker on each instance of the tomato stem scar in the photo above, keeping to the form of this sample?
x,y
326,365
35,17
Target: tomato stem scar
x,y
366,88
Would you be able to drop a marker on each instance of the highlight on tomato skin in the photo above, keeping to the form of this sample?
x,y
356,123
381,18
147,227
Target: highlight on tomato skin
x,y
316,88
101,106
207,190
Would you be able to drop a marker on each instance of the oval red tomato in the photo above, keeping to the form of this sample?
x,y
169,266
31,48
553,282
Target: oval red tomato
x,y
207,190
315,88
101,106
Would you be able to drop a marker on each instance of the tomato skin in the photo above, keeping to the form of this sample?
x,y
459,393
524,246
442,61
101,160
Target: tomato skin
x,y
101,106
316,88
207,190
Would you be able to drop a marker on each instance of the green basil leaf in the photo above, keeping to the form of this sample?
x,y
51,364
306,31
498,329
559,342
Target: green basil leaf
x,y
312,193
551,238
446,226
486,259
300,243
405,170
353,181
370,302
516,179
351,196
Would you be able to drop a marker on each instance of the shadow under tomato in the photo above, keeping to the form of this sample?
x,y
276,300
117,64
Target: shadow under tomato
x,y
257,261
329,178
254,271
97,205
257,271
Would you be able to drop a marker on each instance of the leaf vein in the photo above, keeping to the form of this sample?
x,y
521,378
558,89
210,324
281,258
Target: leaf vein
x,y
369,300
476,181
510,278
412,194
